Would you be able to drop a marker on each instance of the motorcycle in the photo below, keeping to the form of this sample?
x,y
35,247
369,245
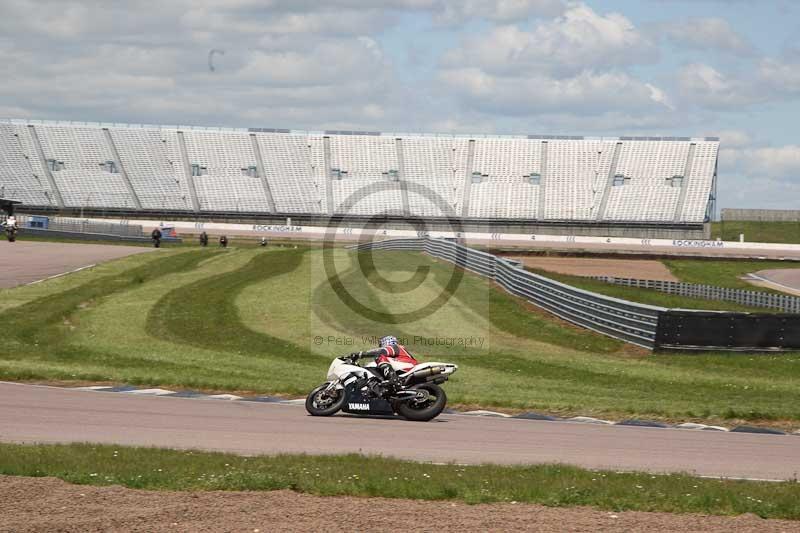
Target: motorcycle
x,y
354,389
11,233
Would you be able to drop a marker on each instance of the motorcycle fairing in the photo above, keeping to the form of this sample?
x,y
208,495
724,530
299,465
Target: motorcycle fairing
x,y
359,403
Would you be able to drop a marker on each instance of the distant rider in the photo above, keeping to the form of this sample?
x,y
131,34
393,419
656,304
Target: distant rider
x,y
204,239
388,354
11,228
11,223
156,236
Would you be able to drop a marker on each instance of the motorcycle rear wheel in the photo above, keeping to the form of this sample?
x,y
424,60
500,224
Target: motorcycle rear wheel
x,y
317,404
427,410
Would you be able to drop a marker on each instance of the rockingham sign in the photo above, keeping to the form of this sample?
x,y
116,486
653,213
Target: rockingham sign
x,y
698,244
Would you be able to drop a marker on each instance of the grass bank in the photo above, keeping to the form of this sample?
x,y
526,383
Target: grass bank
x,y
723,273
646,296
355,475
754,231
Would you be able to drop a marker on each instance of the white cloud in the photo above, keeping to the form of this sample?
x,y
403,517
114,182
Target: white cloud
x,y
586,93
782,162
733,138
704,33
565,45
457,11
760,176
571,64
771,79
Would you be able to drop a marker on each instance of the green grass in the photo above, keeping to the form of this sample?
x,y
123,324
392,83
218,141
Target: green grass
x,y
243,319
778,232
647,296
355,475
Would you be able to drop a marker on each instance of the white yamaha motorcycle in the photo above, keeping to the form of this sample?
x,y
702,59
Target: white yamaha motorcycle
x,y
351,388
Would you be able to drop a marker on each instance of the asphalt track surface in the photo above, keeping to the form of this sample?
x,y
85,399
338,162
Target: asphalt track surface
x,y
28,261
786,280
40,414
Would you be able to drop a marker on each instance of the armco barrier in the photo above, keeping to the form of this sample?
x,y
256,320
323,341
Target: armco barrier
x,y
780,302
707,330
644,325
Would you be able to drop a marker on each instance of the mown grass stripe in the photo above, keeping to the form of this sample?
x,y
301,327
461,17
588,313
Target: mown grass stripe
x,y
204,313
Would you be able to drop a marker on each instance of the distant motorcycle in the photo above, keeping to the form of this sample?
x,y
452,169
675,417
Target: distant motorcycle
x,y
11,233
418,396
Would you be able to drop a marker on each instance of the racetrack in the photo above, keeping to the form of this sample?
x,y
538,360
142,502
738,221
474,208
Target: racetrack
x,y
28,261
785,280
30,413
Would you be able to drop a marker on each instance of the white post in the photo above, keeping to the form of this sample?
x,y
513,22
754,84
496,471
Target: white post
x,y
741,237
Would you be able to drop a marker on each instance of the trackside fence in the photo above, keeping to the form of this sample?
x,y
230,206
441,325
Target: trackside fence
x,y
73,225
648,326
781,302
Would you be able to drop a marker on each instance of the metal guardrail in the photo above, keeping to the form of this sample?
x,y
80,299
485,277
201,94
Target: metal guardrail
x,y
628,321
780,302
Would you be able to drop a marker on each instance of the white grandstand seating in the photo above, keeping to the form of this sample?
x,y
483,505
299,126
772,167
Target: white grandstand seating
x,y
295,186
647,196
575,178
18,181
363,163
173,149
506,190
82,181
155,176
224,158
700,179
316,173
434,168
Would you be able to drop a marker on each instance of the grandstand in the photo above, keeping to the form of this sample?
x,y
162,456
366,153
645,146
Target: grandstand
x,y
637,186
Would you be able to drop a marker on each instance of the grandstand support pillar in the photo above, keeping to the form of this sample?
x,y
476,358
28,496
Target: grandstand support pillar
x,y
326,158
121,168
262,174
612,171
687,169
543,176
401,176
187,172
711,211
467,179
48,174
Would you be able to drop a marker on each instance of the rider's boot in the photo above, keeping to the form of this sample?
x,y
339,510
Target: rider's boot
x,y
391,380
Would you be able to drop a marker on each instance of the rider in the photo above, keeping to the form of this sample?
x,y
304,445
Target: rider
x,y
156,236
388,351
11,222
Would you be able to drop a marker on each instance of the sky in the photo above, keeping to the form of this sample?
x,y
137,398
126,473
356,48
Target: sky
x,y
726,68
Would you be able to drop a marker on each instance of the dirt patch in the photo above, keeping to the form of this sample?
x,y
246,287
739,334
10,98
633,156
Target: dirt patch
x,y
582,266
48,504
27,261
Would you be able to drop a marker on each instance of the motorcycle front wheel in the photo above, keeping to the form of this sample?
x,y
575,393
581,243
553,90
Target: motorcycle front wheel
x,y
322,403
423,410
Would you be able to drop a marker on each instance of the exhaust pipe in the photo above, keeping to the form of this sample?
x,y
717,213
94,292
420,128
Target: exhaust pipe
x,y
426,373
